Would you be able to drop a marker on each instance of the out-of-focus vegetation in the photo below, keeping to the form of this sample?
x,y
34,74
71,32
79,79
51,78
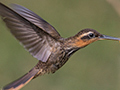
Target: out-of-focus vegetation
x,y
96,67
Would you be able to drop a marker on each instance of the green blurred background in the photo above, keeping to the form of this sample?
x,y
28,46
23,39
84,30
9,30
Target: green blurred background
x,y
96,67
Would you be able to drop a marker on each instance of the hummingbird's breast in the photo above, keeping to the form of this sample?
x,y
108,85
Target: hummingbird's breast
x,y
59,57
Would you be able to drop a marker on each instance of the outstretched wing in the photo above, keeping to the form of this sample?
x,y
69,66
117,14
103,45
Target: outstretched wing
x,y
32,31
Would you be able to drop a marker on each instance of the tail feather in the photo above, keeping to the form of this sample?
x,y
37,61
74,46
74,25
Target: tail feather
x,y
19,83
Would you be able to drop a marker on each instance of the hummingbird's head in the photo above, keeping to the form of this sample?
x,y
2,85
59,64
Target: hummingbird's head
x,y
87,36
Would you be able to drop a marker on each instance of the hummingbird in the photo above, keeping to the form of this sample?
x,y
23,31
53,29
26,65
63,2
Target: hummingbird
x,y
43,42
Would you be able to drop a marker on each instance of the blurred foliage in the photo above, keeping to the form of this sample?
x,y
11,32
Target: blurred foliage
x,y
96,67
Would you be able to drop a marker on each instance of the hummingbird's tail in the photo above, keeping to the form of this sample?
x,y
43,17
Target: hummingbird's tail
x,y
19,83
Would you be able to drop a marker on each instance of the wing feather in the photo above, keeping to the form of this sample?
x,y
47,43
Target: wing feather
x,y
35,19
31,30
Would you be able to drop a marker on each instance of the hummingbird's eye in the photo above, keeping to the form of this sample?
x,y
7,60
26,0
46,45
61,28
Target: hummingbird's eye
x,y
91,35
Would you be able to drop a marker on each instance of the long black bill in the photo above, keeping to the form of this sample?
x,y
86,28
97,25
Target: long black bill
x,y
104,37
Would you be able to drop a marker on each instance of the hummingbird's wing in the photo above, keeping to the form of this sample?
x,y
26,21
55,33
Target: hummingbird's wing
x,y
32,31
